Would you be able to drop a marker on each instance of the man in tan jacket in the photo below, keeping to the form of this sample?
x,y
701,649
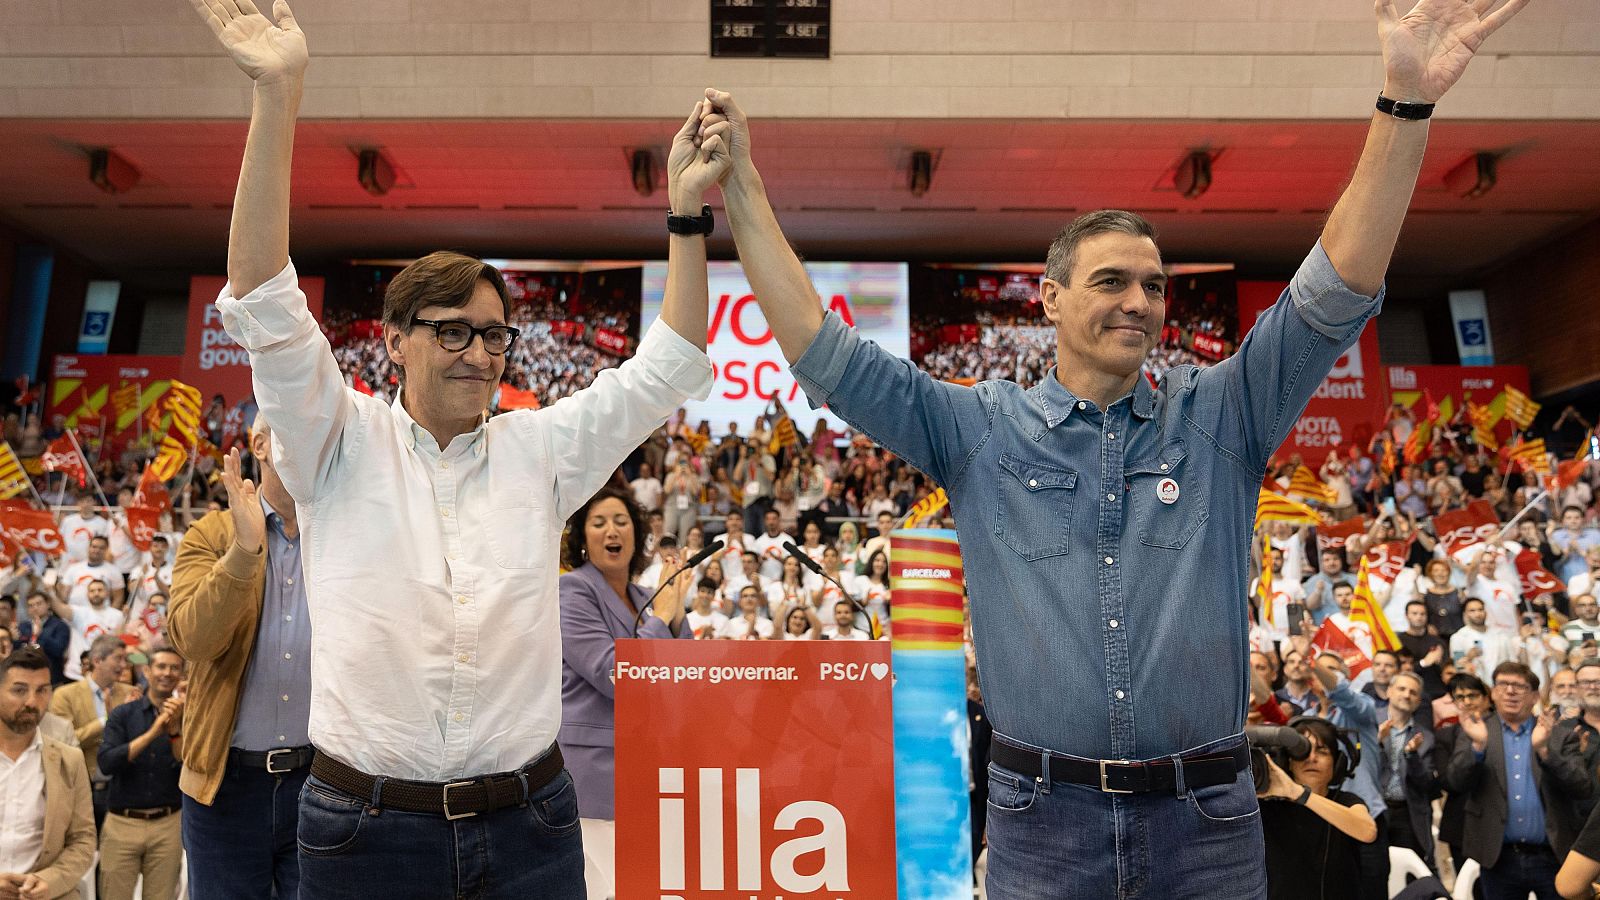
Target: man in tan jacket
x,y
87,703
47,819
238,615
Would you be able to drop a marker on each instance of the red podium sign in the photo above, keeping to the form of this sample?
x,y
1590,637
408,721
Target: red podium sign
x,y
754,770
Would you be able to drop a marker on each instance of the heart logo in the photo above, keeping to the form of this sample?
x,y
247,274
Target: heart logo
x,y
879,670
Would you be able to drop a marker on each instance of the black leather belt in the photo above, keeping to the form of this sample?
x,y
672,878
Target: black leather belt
x,y
453,800
277,762
158,812
1122,777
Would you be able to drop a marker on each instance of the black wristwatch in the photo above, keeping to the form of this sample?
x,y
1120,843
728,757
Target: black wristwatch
x,y
1400,109
701,224
1304,796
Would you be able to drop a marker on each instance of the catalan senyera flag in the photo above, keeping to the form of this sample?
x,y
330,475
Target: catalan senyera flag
x,y
1390,460
924,508
925,575
1531,455
1304,484
1483,421
783,435
1264,583
125,399
13,478
169,459
1520,408
183,401
1364,607
697,441
1277,506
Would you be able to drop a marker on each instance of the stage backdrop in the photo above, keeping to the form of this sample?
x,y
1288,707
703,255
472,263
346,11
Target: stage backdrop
x,y
84,392
212,362
1480,384
1352,401
757,769
750,369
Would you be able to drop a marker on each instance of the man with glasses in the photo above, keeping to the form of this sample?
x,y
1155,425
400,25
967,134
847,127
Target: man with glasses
x,y
436,774
1471,697
1577,739
1519,822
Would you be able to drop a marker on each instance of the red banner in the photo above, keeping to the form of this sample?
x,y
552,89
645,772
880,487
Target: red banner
x,y
1461,528
1350,404
1480,384
719,746
1333,536
613,342
63,456
31,529
82,387
1536,579
1208,346
1330,639
566,328
143,524
211,360
1386,561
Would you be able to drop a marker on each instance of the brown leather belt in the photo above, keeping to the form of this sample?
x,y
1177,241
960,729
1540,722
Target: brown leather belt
x,y
453,799
159,812
1121,776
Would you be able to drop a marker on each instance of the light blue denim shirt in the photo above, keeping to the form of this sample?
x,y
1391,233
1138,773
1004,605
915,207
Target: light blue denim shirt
x,y
1109,624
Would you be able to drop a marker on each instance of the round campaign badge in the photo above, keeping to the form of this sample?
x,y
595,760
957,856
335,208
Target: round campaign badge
x,y
1167,490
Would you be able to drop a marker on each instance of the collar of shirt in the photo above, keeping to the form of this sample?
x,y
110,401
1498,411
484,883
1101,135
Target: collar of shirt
x,y
34,748
275,520
419,438
1058,402
1520,730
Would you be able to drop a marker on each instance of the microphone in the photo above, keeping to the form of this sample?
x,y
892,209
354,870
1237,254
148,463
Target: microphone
x,y
705,553
814,566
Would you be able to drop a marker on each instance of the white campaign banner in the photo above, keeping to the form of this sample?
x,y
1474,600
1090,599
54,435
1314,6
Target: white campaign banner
x,y
750,368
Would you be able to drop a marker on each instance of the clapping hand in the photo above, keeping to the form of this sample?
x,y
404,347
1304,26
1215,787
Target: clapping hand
x,y
1473,726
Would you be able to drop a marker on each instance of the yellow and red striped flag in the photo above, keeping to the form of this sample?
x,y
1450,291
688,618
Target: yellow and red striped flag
x,y
13,479
1265,586
1531,455
925,507
1277,506
183,401
1483,421
169,459
1520,408
1364,607
783,435
1305,485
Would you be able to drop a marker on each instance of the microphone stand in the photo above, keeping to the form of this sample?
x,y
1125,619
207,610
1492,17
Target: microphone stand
x,y
705,553
812,564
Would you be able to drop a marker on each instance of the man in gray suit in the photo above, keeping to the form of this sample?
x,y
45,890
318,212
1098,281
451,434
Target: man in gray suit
x,y
1518,822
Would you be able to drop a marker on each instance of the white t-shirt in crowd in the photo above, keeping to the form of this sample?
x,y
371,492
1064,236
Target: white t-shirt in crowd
x,y
732,555
1499,600
713,622
779,597
1284,592
738,628
87,624
78,575
1496,650
832,633
772,554
76,532
647,492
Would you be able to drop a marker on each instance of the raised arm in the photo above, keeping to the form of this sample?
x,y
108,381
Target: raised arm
x,y
1425,52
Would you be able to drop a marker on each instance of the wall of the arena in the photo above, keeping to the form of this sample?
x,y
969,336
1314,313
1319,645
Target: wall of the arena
x,y
1227,59
1542,311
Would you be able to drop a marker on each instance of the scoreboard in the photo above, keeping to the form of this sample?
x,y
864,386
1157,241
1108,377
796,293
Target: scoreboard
x,y
778,28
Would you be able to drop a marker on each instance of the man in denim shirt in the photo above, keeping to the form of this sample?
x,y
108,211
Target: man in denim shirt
x,y
1105,523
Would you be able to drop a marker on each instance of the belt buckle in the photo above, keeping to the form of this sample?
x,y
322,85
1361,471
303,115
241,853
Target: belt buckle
x,y
272,756
1104,786
448,815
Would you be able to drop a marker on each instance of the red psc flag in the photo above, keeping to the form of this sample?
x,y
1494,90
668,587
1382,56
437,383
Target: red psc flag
x,y
1335,535
144,523
62,456
1386,561
1462,528
1536,579
32,529
1330,639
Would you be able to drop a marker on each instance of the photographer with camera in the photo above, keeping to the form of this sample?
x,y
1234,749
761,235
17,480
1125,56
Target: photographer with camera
x,y
1314,831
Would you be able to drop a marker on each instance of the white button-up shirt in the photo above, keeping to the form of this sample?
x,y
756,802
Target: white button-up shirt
x,y
22,809
431,573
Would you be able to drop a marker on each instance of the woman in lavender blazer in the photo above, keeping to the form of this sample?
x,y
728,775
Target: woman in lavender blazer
x,y
604,548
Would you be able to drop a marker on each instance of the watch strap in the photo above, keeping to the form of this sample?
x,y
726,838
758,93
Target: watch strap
x,y
1400,109
701,224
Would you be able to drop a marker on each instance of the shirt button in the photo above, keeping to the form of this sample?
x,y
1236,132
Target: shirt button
x,y
288,581
459,717
1112,497
1120,695
460,599
461,658
1163,467
1109,560
1033,482
444,465
288,656
1112,623
444,511
1111,436
1083,404
288,618
282,738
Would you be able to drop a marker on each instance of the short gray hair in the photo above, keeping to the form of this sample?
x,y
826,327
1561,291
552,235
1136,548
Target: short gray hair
x,y
104,646
1411,675
1064,249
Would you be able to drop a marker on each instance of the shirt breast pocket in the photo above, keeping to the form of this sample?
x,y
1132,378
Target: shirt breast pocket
x,y
517,536
1168,498
1034,514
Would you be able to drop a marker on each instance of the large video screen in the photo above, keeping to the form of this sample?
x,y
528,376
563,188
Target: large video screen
x,y
750,368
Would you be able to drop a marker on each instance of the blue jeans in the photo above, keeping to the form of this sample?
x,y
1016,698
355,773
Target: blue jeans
x,y
1516,874
1058,841
241,847
350,850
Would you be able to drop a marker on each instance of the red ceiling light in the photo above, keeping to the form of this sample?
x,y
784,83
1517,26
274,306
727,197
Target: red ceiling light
x,y
642,169
1193,176
1472,177
374,171
919,174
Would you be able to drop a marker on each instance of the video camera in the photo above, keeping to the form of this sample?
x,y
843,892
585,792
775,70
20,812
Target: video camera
x,y
1281,741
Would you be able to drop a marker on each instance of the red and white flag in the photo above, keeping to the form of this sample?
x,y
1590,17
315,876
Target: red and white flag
x,y
1536,579
1388,560
64,456
32,529
1331,639
1334,536
144,523
1459,529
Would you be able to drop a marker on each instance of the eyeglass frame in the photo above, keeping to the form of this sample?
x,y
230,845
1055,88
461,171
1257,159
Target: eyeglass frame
x,y
1517,688
474,332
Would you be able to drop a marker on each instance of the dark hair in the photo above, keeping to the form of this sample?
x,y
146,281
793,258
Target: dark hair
x,y
574,548
9,600
1333,551
1477,600
748,554
100,537
164,648
442,278
1064,249
1467,681
30,658
1411,603
1377,653
707,584
42,596
1521,670
1327,735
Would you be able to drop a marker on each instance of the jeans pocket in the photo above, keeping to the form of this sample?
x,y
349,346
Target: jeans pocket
x,y
329,823
1226,804
554,807
1010,793
1034,513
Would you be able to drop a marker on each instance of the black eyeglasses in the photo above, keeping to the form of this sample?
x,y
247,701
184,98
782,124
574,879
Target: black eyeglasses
x,y
456,335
